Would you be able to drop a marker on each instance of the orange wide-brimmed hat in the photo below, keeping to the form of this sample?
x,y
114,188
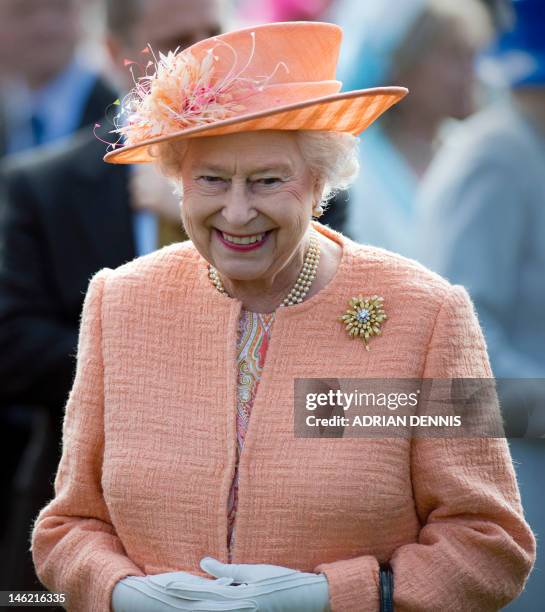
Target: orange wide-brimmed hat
x,y
278,76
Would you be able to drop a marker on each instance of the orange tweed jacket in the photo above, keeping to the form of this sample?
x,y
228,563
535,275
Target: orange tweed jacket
x,y
150,440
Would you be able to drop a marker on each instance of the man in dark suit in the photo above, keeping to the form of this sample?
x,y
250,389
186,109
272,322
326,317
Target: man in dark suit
x,y
65,214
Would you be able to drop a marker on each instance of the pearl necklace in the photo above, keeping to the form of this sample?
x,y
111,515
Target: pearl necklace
x,y
303,282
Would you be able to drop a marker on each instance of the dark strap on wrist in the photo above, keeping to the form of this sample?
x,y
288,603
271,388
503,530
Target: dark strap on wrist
x,y
386,587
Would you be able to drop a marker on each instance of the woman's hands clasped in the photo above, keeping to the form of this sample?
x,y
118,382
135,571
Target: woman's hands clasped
x,y
242,587
154,594
272,588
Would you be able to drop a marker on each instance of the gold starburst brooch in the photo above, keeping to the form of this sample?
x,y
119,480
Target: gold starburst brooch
x,y
364,317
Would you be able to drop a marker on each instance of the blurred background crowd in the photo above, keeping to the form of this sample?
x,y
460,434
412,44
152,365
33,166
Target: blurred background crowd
x,y
453,176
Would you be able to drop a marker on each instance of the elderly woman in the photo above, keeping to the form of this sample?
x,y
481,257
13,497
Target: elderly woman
x,y
182,485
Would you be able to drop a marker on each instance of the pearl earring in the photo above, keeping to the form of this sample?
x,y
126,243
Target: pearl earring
x,y
318,210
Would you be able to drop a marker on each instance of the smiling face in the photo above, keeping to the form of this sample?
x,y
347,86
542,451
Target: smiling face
x,y
247,204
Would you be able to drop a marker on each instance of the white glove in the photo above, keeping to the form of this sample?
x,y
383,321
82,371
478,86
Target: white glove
x,y
271,588
153,594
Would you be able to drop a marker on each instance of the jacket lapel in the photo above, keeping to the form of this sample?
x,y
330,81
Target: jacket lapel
x,y
100,100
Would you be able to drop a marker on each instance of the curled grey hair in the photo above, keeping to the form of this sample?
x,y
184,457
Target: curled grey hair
x,y
331,157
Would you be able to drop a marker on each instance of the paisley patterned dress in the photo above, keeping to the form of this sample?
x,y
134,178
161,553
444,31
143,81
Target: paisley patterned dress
x,y
254,334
